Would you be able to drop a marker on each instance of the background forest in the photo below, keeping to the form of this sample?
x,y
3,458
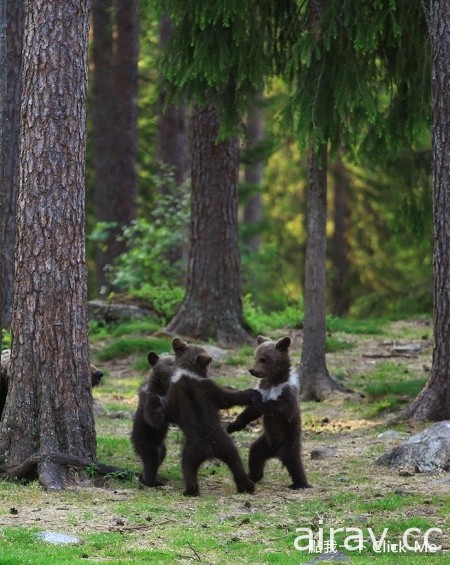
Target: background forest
x,y
379,207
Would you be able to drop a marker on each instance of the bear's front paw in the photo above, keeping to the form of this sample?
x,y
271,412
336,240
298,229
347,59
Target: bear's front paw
x,y
232,428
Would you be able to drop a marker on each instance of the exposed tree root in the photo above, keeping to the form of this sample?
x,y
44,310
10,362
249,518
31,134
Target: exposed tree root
x,y
50,470
320,388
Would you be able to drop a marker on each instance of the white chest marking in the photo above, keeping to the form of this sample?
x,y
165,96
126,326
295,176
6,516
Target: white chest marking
x,y
184,373
274,392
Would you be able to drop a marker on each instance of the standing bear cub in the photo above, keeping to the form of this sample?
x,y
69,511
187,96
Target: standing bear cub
x,y
281,415
193,404
147,439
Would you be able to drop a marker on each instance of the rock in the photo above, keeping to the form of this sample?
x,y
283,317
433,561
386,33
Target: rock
x,y
56,538
104,311
6,356
217,353
330,556
392,434
427,451
440,481
323,452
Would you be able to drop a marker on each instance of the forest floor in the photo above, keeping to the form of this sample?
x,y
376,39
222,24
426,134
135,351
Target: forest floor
x,y
123,522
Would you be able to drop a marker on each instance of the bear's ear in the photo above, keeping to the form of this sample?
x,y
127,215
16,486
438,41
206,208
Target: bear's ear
x,y
152,358
179,345
261,339
203,360
283,343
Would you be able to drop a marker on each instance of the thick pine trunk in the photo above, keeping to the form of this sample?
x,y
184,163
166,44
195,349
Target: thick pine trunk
x,y
340,292
48,413
254,172
212,308
14,22
433,403
2,159
315,381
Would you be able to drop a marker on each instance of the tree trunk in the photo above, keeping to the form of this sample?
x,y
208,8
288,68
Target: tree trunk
x,y
3,144
48,412
14,19
340,291
103,124
433,403
212,307
125,138
315,381
172,143
115,116
254,172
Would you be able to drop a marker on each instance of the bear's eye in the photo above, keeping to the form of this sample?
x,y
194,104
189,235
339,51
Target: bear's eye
x,y
263,360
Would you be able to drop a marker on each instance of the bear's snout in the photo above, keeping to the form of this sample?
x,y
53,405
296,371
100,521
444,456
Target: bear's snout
x,y
255,373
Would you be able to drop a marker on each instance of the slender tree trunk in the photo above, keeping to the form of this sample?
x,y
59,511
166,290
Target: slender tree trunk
x,y
212,308
14,18
103,124
2,158
125,137
433,403
172,143
254,172
116,28
340,291
48,412
315,381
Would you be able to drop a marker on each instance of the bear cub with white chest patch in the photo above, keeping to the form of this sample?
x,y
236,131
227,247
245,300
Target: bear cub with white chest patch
x,y
280,411
193,404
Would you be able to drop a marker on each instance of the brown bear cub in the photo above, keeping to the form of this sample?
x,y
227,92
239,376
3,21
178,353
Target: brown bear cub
x,y
147,440
281,415
193,404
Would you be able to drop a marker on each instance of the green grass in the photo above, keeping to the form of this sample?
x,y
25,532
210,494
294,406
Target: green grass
x,y
122,522
356,327
125,346
333,344
388,387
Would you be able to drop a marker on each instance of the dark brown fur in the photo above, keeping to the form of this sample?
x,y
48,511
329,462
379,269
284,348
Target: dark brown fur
x,y
281,416
148,440
193,404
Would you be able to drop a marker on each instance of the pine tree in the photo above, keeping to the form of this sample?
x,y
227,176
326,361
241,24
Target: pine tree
x,y
2,156
48,422
434,401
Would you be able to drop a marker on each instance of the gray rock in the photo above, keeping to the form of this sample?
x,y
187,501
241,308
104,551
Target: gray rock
x,y
440,481
427,451
57,538
324,452
217,353
336,556
104,311
392,434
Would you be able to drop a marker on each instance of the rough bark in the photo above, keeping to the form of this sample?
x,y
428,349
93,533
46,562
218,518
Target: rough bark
x,y
2,158
14,21
315,381
433,403
49,404
172,134
116,29
103,122
340,292
254,172
212,307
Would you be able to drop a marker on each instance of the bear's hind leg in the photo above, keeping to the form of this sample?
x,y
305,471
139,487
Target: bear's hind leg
x,y
292,461
151,460
191,459
228,453
259,453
